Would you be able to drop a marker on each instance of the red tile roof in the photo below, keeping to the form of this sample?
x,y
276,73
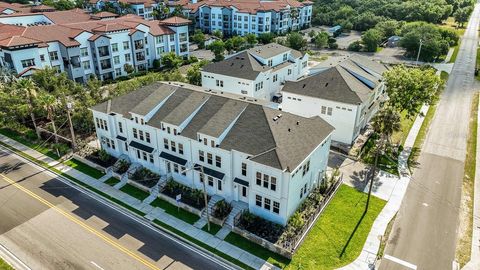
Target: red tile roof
x,y
244,6
18,41
42,8
175,20
103,14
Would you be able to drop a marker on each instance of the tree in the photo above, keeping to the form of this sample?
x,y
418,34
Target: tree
x,y
355,46
409,88
371,38
238,43
27,89
388,28
461,15
48,102
251,39
217,33
321,39
296,41
160,12
199,39
218,48
194,76
171,60
312,33
128,68
266,38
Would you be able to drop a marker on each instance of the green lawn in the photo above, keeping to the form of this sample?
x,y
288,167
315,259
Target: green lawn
x,y
257,250
112,181
455,52
214,228
4,265
135,192
477,63
406,123
34,145
84,168
340,233
175,211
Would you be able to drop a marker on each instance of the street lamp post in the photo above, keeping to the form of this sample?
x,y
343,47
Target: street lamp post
x,y
419,50
69,107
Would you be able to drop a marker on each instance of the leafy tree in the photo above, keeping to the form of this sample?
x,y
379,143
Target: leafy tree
x,y
409,88
27,90
238,43
171,60
218,48
60,4
266,38
48,102
296,41
217,33
199,38
128,68
321,39
251,39
312,33
371,39
461,15
355,46
389,28
160,12
194,76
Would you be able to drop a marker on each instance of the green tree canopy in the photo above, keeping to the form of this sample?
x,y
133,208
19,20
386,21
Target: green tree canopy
x,y
171,60
371,39
218,48
296,41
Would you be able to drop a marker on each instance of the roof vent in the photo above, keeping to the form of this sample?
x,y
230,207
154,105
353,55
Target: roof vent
x,y
298,123
289,129
304,85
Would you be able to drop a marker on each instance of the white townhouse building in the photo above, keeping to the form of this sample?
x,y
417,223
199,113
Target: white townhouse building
x,y
142,8
268,159
83,45
346,96
259,72
247,16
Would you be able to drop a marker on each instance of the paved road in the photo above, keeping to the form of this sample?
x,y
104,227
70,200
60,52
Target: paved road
x,y
48,224
425,230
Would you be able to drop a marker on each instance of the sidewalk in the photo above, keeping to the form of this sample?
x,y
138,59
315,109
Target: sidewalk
x,y
368,256
150,211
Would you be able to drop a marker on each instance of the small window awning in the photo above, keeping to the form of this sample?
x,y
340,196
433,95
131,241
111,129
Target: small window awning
x,y
121,138
140,146
211,172
241,182
173,158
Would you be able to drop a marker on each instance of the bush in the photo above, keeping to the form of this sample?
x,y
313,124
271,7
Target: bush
x,y
333,46
122,166
355,46
102,158
61,148
263,228
222,209
190,196
145,177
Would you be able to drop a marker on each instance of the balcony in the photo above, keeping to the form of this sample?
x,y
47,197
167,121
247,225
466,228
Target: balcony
x,y
139,45
103,51
105,64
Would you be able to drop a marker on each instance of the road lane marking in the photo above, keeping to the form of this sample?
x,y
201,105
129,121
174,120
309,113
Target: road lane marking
x,y
96,265
80,223
401,262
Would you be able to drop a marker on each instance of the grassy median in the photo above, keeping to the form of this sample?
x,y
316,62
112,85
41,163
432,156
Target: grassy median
x,y
4,265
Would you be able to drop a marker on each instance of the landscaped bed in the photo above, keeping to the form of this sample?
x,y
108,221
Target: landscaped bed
x,y
29,138
190,196
102,158
144,177
175,211
214,228
84,168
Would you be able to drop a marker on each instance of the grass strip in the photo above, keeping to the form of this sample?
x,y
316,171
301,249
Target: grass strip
x,y
35,146
5,266
135,192
175,211
84,168
112,181
201,244
214,228
464,247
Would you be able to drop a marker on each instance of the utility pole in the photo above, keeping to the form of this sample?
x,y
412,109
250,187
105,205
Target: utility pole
x,y
419,50
69,107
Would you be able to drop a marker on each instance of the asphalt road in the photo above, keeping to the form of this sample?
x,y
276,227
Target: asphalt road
x,y
424,233
48,224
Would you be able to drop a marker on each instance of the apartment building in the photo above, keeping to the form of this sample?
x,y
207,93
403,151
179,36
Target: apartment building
x,y
11,8
346,95
250,153
83,45
259,72
142,8
247,16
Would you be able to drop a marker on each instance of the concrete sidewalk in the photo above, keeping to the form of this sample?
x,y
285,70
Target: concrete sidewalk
x,y
150,211
368,256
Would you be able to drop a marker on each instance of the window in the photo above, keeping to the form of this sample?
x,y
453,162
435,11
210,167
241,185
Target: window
x,y
128,57
83,52
138,154
147,137
275,77
205,141
151,158
244,191
201,155
42,57
120,127
210,181
144,155
201,177
270,62
165,144
135,133
180,148
115,47
105,125
126,45
174,147
28,63
53,55
118,72
172,38
329,111
219,83
324,110
174,131
184,171
289,71
244,169
219,185
86,65
116,60
305,189
140,133
259,178
159,39
273,183
301,193
175,167
266,204
276,207
285,57
258,200
218,161
265,181
209,158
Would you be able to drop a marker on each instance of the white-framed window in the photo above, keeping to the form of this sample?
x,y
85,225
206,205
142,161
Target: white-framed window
x,y
126,45
53,55
258,200
114,47
128,57
83,52
219,83
86,65
28,63
116,60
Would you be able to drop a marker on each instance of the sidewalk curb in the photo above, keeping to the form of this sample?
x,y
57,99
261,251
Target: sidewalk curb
x,y
12,260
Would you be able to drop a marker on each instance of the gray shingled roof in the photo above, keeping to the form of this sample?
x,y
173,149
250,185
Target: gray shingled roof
x,y
250,128
269,50
154,98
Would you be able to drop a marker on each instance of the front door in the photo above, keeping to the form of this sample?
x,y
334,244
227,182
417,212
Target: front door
x,y
169,169
243,193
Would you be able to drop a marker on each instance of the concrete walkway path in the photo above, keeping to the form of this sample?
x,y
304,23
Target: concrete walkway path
x,y
152,213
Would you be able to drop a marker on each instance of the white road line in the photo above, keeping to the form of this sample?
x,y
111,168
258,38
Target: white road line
x,y
207,255
402,262
96,265
12,259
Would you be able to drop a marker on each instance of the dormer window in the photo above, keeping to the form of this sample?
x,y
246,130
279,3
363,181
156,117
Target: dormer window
x,y
270,62
285,57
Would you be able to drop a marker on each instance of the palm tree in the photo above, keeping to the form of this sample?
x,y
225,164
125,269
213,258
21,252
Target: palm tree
x,y
48,102
384,123
25,87
7,76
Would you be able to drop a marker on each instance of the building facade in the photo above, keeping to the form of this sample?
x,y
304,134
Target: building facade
x,y
84,45
268,159
347,96
259,72
141,8
247,16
